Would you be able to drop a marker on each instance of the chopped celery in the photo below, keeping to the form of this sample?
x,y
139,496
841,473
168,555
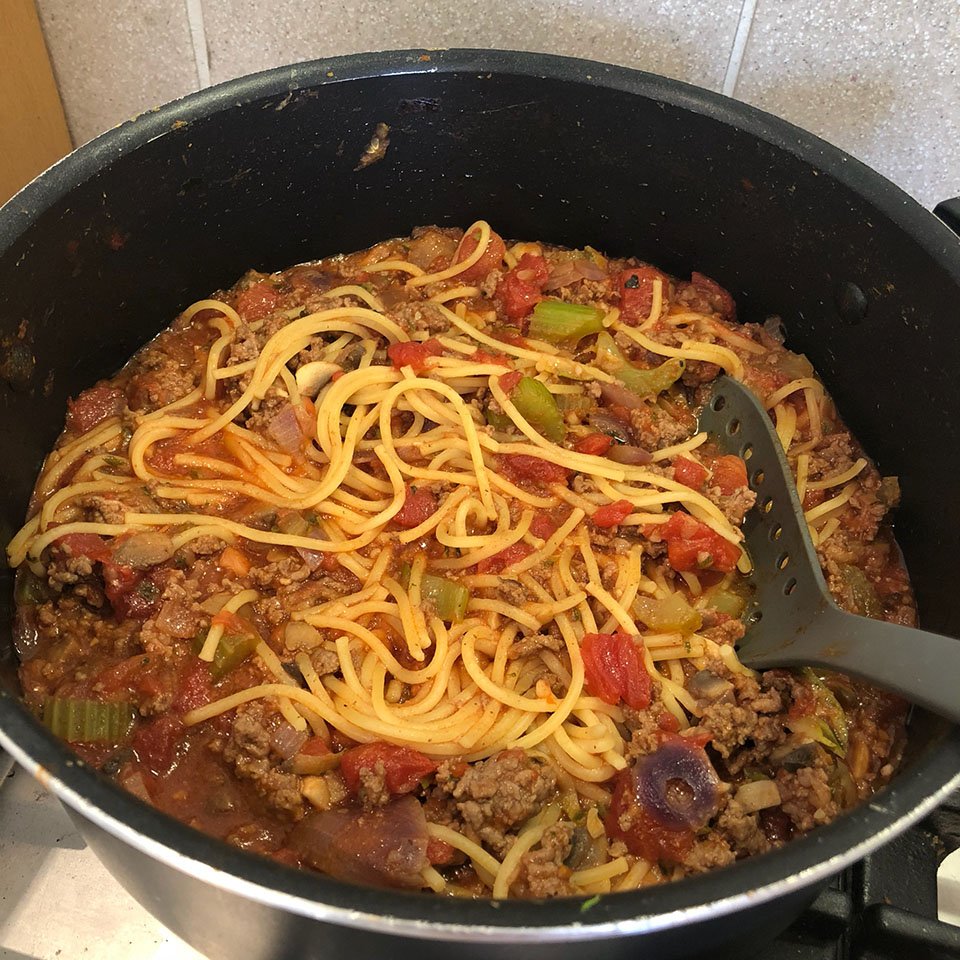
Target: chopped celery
x,y
673,613
232,650
575,403
641,382
862,593
87,721
726,601
536,405
827,714
30,589
499,421
449,598
559,322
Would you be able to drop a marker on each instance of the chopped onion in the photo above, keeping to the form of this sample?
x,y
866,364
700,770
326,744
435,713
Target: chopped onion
x,y
706,685
298,634
143,550
287,741
758,795
384,847
628,454
570,271
611,426
284,429
613,394
176,620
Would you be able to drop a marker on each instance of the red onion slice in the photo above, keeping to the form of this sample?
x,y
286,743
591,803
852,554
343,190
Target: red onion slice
x,y
628,454
384,847
676,785
285,429
613,394
570,271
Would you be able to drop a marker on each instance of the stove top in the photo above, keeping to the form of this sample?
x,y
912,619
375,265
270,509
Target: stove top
x,y
883,908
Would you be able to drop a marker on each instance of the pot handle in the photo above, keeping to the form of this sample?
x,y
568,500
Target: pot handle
x,y
949,212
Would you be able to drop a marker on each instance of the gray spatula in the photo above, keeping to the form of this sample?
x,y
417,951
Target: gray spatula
x,y
791,618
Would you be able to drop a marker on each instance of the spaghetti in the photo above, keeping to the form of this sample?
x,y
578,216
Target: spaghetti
x,y
406,523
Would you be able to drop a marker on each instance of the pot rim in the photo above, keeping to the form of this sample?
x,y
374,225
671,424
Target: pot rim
x,y
800,864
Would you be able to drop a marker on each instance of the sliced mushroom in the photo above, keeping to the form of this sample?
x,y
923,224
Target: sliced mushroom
x,y
311,377
144,550
706,685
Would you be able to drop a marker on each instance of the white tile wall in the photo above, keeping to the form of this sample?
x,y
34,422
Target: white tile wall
x,y
879,78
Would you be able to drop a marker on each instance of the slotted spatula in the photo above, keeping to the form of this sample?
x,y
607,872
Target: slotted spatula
x,y
791,617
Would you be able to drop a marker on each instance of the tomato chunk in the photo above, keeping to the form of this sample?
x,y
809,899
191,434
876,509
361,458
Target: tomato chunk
x,y
487,356
257,300
87,545
543,526
692,545
595,444
418,505
689,472
521,288
413,354
521,466
612,514
403,767
615,670
643,836
505,558
490,259
729,474
93,406
636,293
509,380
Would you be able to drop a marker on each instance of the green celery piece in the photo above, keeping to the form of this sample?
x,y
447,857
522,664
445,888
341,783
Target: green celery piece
x,y
644,383
726,601
449,598
87,721
558,322
862,591
232,650
829,712
536,405
575,403
670,614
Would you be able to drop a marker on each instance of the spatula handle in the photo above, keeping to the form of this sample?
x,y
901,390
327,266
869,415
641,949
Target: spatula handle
x,y
922,667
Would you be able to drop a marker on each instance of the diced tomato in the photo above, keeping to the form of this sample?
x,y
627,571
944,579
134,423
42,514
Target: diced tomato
x,y
636,293
155,742
595,444
611,514
257,300
485,356
722,301
440,853
521,288
689,472
491,258
235,561
543,526
120,582
87,545
668,722
692,545
418,505
141,675
729,474
93,406
315,747
232,623
411,353
505,558
195,686
615,670
509,335
509,381
521,466
403,767
644,837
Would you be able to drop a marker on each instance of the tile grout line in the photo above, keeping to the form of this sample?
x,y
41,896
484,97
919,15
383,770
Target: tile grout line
x,y
198,37
738,48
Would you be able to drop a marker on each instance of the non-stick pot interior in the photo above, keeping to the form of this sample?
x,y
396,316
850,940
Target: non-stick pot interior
x,y
101,253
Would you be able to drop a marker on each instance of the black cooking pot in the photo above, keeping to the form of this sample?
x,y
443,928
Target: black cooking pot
x,y
102,251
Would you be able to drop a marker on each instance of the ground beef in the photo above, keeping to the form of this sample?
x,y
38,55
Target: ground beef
x,y
806,797
496,795
542,870
373,791
248,751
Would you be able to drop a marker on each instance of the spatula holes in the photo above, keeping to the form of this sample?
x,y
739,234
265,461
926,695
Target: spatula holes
x,y
758,477
719,403
783,561
776,532
789,587
747,451
733,428
754,616
767,504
